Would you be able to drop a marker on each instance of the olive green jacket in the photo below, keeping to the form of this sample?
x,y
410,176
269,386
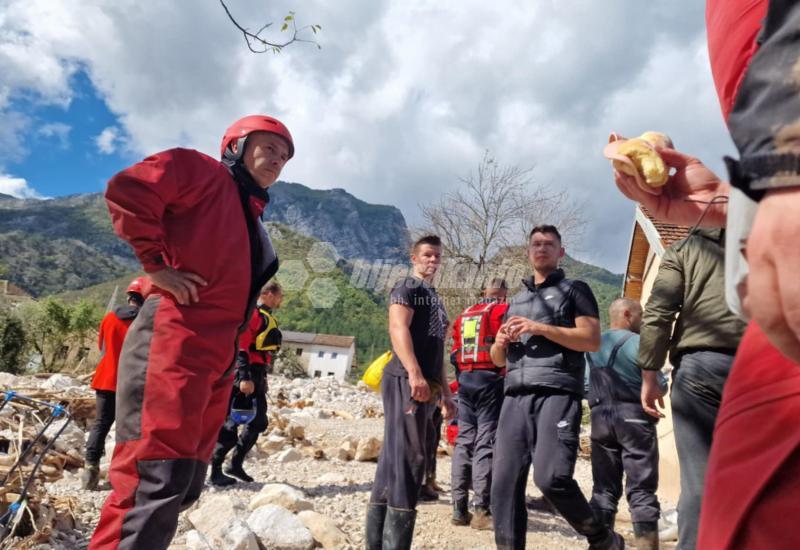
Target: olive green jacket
x,y
690,286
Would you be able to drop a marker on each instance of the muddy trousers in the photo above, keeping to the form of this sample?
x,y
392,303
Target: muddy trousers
x,y
480,396
229,436
624,440
401,465
168,418
541,429
104,418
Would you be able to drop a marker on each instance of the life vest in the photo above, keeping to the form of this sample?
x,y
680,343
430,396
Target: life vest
x,y
475,337
269,337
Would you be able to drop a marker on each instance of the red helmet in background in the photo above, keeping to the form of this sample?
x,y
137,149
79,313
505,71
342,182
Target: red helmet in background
x,y
243,127
140,285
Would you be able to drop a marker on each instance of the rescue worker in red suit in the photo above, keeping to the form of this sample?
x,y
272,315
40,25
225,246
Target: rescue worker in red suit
x,y
751,490
194,224
257,348
480,396
113,329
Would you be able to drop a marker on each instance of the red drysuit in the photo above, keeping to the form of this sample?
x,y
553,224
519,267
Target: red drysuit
x,y
182,209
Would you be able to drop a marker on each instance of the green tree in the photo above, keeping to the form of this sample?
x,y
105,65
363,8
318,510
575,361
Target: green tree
x,y
12,343
53,327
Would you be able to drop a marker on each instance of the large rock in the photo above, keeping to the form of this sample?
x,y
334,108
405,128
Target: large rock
x,y
324,530
368,448
196,541
280,494
273,443
279,529
239,536
214,515
289,455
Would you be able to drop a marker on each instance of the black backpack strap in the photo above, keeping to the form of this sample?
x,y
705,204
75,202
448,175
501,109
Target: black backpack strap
x,y
616,348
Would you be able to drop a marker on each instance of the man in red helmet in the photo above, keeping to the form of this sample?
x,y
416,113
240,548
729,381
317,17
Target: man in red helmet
x,y
194,224
113,329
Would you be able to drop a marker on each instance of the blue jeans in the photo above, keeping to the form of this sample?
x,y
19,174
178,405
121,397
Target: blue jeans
x,y
696,395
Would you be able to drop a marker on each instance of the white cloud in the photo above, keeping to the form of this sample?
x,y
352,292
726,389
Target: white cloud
x,y
57,130
107,140
17,187
405,95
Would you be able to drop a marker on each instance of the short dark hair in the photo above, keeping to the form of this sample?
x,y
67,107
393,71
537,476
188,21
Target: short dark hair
x,y
272,287
432,240
497,283
544,228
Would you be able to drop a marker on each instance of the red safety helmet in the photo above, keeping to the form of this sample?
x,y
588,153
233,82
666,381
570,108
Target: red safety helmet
x,y
255,123
140,285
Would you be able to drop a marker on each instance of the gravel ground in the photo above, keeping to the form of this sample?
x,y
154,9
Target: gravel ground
x,y
340,489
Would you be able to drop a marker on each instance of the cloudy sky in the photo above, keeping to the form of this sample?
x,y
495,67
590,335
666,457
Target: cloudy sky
x,y
403,98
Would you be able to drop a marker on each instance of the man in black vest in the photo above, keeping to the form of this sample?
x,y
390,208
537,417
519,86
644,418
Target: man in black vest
x,y
548,327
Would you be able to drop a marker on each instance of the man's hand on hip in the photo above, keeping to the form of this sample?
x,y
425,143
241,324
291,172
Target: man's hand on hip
x,y
181,284
247,387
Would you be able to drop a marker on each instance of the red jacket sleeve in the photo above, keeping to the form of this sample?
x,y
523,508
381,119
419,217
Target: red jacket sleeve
x,y
456,335
496,318
139,196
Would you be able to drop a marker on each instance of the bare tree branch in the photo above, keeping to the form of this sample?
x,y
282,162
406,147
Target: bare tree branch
x,y
256,43
487,220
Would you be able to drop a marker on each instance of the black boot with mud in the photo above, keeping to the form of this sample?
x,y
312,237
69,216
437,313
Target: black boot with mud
x,y
461,515
218,479
398,531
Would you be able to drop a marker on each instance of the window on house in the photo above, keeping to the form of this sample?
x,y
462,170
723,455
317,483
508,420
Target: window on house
x,y
321,354
334,355
331,373
299,351
317,373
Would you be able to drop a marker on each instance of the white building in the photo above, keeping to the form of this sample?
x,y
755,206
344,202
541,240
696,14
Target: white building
x,y
322,354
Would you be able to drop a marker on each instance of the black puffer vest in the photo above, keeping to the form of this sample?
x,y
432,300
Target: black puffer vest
x,y
534,361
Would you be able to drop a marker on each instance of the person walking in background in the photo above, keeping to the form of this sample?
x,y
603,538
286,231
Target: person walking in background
x,y
110,338
258,345
624,438
548,327
480,396
412,382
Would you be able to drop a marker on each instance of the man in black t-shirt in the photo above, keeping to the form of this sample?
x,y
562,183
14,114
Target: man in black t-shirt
x,y
548,327
412,383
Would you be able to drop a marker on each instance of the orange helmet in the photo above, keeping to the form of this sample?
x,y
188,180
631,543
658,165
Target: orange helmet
x,y
243,127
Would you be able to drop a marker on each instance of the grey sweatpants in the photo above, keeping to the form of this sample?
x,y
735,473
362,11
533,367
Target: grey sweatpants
x,y
539,428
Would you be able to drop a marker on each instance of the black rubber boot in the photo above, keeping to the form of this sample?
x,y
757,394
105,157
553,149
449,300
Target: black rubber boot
x,y
376,516
606,517
611,541
461,515
428,494
218,479
399,529
90,476
236,470
645,535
